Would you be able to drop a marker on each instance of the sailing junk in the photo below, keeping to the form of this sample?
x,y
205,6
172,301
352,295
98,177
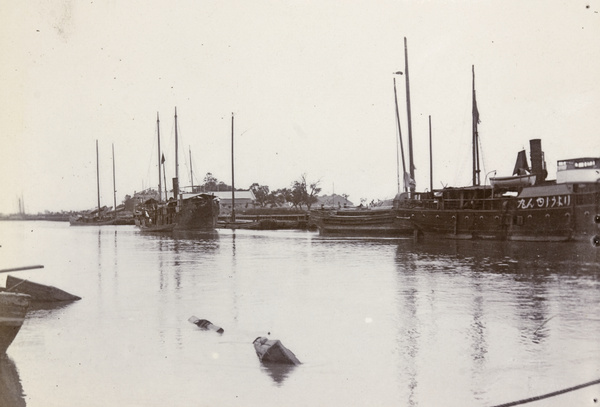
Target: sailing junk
x,y
191,212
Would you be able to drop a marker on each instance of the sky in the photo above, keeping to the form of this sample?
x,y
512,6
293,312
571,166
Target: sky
x,y
310,85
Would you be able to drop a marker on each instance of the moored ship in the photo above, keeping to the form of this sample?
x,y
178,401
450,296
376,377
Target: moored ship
x,y
197,212
361,222
565,209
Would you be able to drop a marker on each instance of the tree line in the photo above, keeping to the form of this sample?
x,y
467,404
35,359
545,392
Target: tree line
x,y
301,192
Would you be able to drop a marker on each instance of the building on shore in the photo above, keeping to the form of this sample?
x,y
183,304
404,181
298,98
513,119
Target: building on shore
x,y
244,199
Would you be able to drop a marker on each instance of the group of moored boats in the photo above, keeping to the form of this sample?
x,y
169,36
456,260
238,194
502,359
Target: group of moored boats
x,y
564,209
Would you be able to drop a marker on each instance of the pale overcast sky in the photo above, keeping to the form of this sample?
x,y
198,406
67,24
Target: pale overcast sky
x,y
310,83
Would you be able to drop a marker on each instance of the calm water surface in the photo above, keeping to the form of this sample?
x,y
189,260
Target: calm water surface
x,y
376,322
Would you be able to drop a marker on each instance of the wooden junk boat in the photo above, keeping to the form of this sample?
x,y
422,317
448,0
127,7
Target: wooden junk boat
x,y
189,212
361,222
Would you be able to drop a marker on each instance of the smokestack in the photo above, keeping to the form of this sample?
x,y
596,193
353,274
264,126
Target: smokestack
x,y
175,188
538,165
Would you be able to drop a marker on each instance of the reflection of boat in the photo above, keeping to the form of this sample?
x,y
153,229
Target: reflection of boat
x,y
13,307
362,222
273,351
11,390
38,292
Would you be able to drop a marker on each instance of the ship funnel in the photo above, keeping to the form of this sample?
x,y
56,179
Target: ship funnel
x,y
538,164
175,188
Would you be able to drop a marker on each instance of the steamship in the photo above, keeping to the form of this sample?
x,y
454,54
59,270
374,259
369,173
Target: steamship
x,y
524,207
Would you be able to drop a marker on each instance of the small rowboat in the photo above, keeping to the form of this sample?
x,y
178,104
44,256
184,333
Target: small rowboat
x,y
514,181
273,351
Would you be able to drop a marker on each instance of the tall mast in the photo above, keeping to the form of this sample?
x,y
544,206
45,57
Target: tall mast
x,y
410,147
176,155
476,170
114,182
176,179
399,136
232,176
430,158
191,169
98,177
159,161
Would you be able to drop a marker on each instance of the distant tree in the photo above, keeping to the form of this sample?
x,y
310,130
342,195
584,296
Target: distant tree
x,y
261,193
210,182
304,192
279,197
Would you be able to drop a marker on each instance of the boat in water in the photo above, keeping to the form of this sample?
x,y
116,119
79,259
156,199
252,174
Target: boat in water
x,y
361,222
195,212
185,212
99,216
565,209
13,308
95,217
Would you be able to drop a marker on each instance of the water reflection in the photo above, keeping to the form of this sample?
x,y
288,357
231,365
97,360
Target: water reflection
x,y
277,371
488,287
11,390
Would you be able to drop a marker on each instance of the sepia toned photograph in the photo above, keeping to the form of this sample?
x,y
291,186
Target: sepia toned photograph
x,y
300,203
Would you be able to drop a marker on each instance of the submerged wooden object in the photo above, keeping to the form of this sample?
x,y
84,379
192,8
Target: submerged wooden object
x,y
273,351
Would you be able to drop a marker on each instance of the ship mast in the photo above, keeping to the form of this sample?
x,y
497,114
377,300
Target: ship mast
x,y
98,177
410,147
399,135
232,176
159,161
191,169
430,158
176,179
114,182
476,169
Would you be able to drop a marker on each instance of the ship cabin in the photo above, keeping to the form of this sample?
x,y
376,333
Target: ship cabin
x,y
475,197
578,171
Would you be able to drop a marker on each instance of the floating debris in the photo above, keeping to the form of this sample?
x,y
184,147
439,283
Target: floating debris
x,y
205,324
272,350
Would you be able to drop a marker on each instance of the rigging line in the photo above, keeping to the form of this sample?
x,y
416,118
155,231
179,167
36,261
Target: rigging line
x,y
545,396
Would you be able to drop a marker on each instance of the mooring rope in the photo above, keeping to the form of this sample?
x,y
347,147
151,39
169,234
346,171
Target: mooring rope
x,y
545,396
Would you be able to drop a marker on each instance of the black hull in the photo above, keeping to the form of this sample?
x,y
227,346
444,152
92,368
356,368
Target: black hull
x,y
385,223
187,215
566,215
13,308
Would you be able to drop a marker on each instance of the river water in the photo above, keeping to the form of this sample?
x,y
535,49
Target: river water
x,y
375,322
